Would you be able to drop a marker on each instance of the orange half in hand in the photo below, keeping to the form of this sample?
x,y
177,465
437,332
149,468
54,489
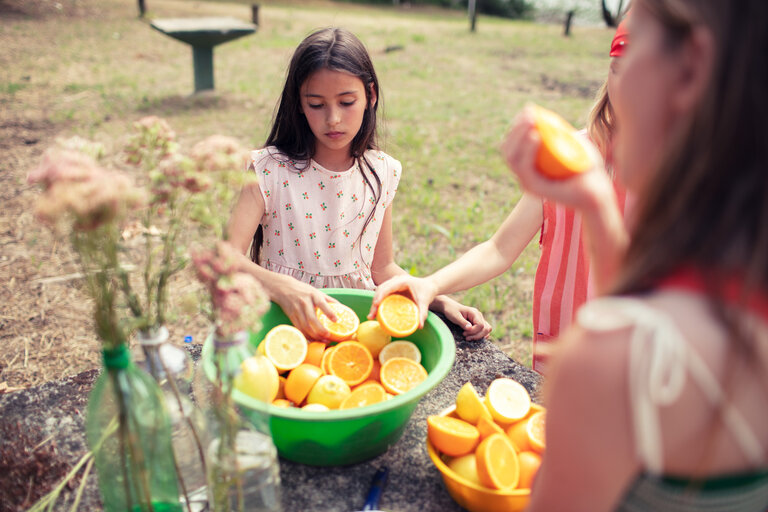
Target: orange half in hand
x,y
562,153
344,327
398,315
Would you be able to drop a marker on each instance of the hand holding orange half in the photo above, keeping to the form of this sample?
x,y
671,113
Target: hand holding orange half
x,y
562,152
542,163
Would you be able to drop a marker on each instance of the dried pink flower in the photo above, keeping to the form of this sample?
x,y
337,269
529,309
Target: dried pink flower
x,y
238,299
75,185
219,153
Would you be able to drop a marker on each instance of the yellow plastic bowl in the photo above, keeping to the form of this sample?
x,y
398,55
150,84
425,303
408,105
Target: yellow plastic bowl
x,y
474,497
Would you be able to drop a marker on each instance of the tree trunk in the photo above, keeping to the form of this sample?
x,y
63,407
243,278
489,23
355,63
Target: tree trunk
x,y
568,20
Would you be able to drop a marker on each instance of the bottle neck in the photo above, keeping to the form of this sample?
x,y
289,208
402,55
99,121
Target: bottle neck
x,y
116,358
236,340
153,336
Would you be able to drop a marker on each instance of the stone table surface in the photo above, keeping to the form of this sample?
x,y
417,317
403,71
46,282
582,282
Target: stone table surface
x,y
56,411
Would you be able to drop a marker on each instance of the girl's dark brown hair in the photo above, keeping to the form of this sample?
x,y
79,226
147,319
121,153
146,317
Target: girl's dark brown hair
x,y
708,203
335,49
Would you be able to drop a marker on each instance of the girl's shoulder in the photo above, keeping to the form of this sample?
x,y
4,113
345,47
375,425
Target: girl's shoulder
x,y
389,169
381,160
268,157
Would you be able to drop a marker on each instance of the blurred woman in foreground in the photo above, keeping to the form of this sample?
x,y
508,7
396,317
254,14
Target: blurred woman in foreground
x,y
658,398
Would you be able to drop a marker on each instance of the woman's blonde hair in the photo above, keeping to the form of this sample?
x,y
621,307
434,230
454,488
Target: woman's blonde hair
x,y
600,125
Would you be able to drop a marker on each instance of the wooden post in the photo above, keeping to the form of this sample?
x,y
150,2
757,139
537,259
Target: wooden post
x,y
472,7
568,19
255,14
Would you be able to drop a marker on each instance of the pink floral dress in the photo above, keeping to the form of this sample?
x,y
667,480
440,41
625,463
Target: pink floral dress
x,y
314,219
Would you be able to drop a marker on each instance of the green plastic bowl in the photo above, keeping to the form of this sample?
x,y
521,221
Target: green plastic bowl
x,y
341,437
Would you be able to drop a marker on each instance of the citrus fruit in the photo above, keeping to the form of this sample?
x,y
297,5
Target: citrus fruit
x,y
398,315
315,351
518,434
285,346
373,336
469,405
326,358
507,400
258,378
351,361
299,381
529,465
376,371
497,464
365,394
487,426
329,390
561,153
399,375
282,402
452,436
315,408
466,466
281,388
536,425
402,348
346,324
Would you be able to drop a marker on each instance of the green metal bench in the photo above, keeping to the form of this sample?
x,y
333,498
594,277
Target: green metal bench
x,y
203,34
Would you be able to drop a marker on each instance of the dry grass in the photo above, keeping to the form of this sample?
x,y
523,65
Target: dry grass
x,y
89,67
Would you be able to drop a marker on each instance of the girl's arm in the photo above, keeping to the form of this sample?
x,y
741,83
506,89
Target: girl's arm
x,y
478,265
590,193
384,269
590,457
298,300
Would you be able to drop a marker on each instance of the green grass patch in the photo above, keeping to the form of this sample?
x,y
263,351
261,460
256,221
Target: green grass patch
x,y
448,98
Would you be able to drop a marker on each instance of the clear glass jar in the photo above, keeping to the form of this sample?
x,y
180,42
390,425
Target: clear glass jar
x,y
172,368
243,470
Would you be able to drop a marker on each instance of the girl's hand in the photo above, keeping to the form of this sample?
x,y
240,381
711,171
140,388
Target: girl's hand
x,y
422,290
468,318
580,192
299,302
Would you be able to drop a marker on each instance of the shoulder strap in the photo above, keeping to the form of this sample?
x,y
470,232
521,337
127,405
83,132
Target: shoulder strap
x,y
659,359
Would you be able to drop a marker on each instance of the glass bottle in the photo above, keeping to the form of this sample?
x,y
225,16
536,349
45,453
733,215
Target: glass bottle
x,y
243,471
172,368
129,433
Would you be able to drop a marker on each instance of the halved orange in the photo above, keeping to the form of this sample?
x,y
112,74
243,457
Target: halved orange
x,y
497,463
300,381
562,153
535,429
345,327
351,361
399,375
452,436
398,315
315,350
487,426
365,394
326,358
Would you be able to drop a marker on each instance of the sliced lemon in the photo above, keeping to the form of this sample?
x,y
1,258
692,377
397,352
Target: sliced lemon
x,y
507,400
402,348
285,346
469,405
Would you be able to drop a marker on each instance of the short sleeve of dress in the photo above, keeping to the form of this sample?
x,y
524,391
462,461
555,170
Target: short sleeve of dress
x,y
260,162
392,171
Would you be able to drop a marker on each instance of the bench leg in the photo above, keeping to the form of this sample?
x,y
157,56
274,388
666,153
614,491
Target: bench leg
x,y
202,62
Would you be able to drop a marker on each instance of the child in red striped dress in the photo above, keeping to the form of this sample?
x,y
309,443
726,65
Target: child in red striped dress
x,y
563,279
